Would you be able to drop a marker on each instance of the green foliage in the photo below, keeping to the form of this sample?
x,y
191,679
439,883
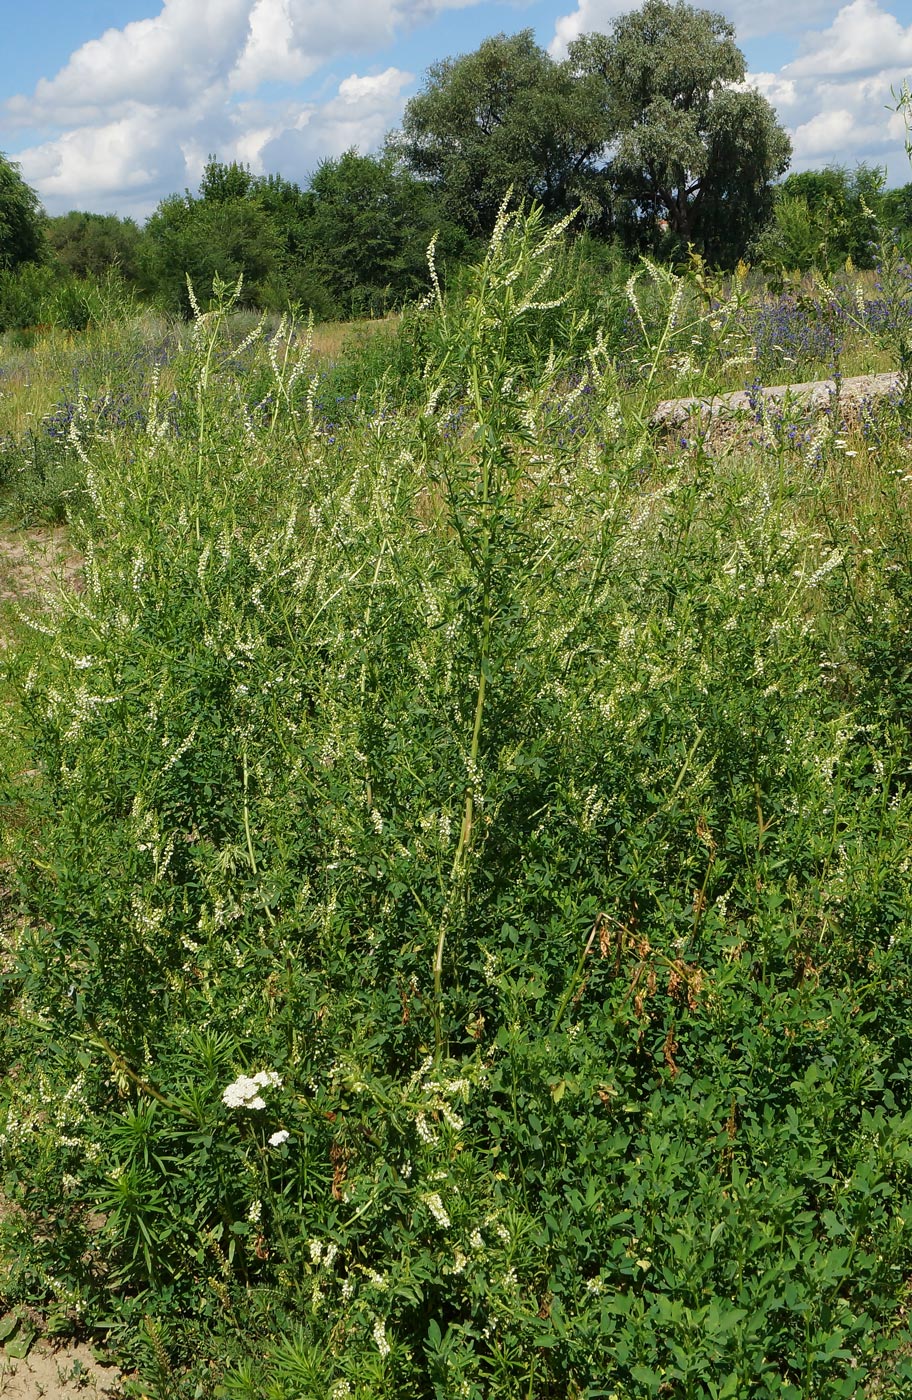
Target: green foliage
x,y
690,150
821,218
22,220
39,295
460,930
25,294
91,245
507,117
202,239
367,233
353,244
896,215
226,184
289,210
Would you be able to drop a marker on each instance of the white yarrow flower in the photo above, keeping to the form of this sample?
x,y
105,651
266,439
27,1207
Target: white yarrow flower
x,y
278,1138
245,1091
242,1094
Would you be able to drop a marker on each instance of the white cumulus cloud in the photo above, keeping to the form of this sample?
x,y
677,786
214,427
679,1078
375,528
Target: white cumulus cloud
x,y
133,113
360,114
863,38
781,92
841,89
169,59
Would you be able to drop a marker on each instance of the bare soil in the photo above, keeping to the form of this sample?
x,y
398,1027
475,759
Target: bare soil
x,y
33,562
49,1372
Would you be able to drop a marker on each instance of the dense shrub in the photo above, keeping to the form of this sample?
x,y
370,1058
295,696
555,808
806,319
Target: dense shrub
x,y
461,937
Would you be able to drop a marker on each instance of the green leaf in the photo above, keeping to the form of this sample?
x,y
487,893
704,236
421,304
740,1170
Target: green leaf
x,y
19,1347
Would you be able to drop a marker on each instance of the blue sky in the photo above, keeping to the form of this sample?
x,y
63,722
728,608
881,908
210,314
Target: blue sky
x,y
111,104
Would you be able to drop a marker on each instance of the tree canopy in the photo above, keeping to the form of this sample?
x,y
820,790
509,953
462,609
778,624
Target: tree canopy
x,y
222,232
692,149
823,217
354,243
646,126
369,225
89,244
22,219
507,116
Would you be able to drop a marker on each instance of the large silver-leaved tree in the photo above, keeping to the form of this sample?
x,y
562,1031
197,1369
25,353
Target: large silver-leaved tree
x,y
693,147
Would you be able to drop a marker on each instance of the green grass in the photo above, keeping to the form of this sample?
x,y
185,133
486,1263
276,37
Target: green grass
x,y
525,801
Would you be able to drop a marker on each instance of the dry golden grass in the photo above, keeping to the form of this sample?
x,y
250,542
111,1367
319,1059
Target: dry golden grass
x,y
330,338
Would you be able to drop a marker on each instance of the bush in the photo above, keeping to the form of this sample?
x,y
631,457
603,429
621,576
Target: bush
x,y
25,295
462,932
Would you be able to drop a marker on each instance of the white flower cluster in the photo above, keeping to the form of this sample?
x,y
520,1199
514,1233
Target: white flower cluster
x,y
380,1338
426,1133
323,1255
451,1087
245,1091
438,1210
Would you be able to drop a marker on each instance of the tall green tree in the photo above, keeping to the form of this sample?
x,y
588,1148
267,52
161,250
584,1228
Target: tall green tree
x,y
354,242
225,181
370,223
823,217
224,232
844,208
22,219
692,151
507,116
87,245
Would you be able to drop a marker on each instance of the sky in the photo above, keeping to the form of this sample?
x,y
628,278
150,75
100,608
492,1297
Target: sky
x,y
110,105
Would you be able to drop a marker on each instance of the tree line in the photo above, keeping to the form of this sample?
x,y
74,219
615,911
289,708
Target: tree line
x,y
646,131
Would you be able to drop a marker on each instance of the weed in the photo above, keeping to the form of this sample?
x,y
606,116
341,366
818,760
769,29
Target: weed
x,y
460,930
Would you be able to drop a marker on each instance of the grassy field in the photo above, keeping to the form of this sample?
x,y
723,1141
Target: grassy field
x,y
456,869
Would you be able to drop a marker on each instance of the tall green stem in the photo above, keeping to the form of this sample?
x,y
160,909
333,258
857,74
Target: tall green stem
x,y
463,846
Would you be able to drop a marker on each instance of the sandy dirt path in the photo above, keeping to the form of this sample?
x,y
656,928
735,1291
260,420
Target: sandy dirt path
x,y
68,1372
32,561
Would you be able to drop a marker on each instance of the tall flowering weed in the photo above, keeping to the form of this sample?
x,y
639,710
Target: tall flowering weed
x,y
458,936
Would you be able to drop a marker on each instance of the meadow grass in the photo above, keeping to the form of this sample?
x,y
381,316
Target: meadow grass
x,y
456,867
